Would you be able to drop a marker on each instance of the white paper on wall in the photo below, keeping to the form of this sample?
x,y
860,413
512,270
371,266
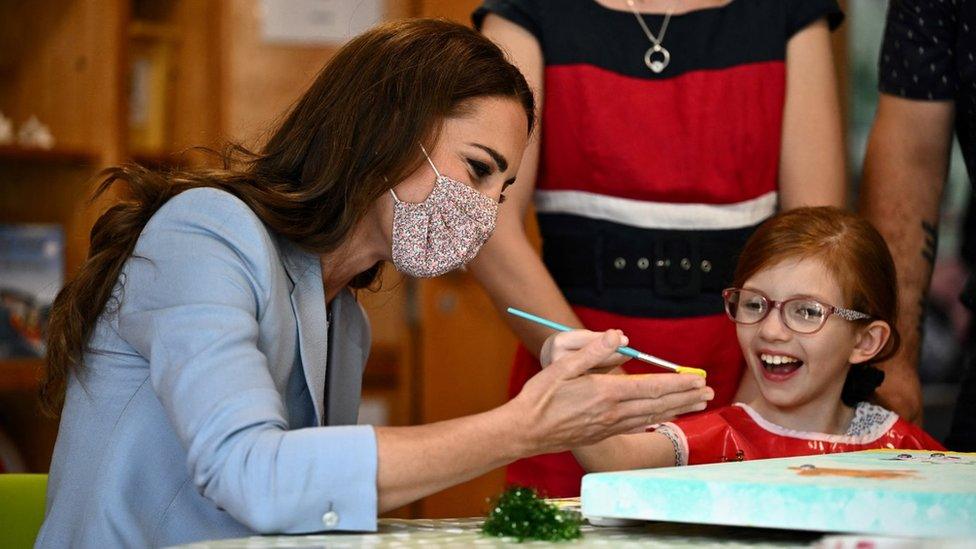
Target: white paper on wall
x,y
317,22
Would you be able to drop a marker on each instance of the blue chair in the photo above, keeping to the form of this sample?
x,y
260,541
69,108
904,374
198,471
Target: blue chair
x,y
21,509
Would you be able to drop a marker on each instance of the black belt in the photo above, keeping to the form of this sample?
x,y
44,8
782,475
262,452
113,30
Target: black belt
x,y
640,272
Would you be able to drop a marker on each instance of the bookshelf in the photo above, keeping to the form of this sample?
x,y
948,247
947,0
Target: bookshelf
x,y
70,64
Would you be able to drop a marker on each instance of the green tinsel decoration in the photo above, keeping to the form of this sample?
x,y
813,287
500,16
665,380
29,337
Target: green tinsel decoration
x,y
521,514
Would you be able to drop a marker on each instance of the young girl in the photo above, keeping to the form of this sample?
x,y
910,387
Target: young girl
x,y
814,305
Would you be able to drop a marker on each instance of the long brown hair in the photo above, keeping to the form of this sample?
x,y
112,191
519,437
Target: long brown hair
x,y
854,253
348,139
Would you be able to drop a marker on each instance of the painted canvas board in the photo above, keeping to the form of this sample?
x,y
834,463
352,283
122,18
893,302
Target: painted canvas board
x,y
891,492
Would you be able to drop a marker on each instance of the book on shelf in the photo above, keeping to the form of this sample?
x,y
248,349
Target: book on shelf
x,y
31,274
151,53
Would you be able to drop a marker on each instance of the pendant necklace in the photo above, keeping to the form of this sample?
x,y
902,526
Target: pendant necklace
x,y
657,57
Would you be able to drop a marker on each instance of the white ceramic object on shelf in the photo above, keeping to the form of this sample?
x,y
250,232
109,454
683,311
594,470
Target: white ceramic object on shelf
x,y
35,134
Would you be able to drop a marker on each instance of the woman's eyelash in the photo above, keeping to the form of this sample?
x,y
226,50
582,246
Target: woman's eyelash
x,y
501,199
480,168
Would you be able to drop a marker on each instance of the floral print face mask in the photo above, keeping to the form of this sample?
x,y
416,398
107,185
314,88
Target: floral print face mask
x,y
443,232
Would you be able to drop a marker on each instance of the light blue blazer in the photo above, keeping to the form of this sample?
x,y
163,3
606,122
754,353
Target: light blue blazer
x,y
200,411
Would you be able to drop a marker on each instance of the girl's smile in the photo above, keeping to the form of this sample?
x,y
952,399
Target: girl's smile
x,y
778,366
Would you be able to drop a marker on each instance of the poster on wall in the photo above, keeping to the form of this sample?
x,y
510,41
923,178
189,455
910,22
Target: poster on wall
x,y
31,274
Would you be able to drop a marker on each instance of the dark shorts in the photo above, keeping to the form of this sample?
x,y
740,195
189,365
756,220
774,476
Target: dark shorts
x,y
962,434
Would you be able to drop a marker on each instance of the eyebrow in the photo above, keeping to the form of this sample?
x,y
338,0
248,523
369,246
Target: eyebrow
x,y
813,297
495,155
794,296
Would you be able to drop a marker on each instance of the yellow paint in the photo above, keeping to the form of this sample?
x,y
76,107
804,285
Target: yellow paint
x,y
690,370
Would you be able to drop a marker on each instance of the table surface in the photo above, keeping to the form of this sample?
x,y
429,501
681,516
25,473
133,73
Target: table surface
x,y
466,532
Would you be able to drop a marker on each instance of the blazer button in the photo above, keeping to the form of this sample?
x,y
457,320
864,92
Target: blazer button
x,y
330,519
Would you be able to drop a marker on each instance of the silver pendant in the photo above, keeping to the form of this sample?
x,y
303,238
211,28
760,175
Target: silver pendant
x,y
657,58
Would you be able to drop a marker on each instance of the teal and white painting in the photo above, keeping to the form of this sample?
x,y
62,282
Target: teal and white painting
x,y
893,492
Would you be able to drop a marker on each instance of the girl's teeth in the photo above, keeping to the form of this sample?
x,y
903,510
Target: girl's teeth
x,y
777,359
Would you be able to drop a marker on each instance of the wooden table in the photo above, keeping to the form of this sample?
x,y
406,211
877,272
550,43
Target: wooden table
x,y
467,533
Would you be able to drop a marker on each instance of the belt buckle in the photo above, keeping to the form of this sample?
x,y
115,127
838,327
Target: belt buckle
x,y
676,260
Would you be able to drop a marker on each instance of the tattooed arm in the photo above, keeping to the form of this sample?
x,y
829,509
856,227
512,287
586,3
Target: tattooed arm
x,y
904,174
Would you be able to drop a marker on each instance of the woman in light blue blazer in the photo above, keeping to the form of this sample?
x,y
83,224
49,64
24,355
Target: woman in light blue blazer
x,y
207,358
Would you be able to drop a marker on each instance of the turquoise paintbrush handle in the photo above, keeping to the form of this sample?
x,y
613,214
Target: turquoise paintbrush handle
x,y
626,351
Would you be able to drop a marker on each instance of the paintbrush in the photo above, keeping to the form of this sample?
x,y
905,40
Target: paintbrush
x,y
626,351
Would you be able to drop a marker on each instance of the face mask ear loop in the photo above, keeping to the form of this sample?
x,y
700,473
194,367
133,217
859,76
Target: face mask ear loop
x,y
429,161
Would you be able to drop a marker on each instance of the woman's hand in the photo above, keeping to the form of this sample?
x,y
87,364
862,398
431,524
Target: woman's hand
x,y
564,406
562,344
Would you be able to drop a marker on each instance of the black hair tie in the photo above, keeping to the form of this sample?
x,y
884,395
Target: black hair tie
x,y
862,380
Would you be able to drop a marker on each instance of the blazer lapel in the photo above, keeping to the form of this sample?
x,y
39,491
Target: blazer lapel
x,y
308,303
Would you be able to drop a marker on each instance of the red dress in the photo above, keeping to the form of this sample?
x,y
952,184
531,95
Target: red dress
x,y
739,433
650,183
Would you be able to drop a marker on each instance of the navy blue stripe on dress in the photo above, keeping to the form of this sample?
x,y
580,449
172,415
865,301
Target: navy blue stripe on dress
x,y
740,32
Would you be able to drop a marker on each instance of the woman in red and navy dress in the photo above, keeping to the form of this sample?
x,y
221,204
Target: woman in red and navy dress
x,y
652,169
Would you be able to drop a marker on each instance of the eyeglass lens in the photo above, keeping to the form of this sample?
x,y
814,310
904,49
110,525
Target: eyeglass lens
x,y
800,315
